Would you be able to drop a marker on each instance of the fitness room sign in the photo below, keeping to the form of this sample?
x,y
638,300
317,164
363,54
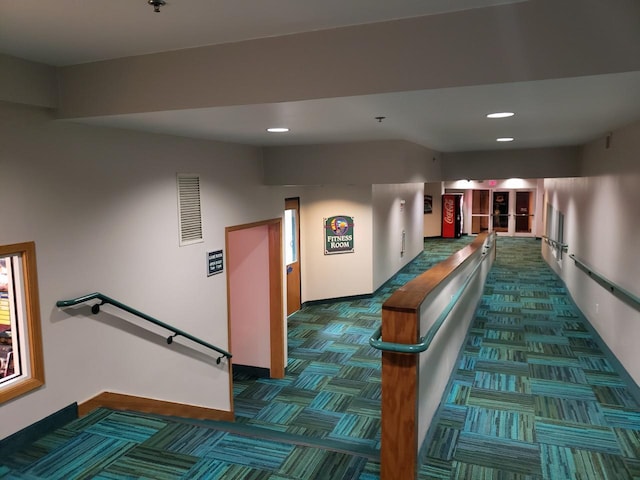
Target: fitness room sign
x,y
338,235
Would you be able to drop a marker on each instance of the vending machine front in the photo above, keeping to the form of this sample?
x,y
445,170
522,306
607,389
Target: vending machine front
x,y
451,215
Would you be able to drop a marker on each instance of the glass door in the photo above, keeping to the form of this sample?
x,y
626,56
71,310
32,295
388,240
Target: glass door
x,y
501,212
513,212
507,212
480,213
524,212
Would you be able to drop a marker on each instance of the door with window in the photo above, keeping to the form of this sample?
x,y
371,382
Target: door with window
x,y
524,212
501,212
480,211
513,212
292,253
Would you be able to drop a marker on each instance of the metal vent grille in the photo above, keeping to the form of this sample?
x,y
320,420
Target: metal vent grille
x,y
189,213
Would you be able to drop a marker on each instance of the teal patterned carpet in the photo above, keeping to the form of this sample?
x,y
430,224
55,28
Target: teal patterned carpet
x,y
534,397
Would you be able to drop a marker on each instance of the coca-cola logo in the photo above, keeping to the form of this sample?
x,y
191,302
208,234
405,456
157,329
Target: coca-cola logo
x,y
448,210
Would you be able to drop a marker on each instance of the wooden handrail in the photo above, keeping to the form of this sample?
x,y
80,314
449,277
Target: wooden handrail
x,y
425,341
410,296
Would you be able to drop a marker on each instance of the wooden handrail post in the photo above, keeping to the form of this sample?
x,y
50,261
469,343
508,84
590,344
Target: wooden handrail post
x,y
399,443
400,371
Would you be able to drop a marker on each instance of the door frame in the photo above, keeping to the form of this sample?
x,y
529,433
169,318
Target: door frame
x,y
276,308
288,205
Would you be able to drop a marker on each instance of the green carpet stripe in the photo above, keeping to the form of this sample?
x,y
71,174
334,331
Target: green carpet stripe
x,y
81,457
560,462
518,402
501,424
572,435
509,455
141,462
553,388
258,453
569,410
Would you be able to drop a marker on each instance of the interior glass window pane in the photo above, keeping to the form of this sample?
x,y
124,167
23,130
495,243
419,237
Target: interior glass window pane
x,y
291,254
500,211
9,324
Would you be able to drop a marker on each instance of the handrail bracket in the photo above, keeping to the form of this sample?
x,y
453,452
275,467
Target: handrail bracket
x,y
95,309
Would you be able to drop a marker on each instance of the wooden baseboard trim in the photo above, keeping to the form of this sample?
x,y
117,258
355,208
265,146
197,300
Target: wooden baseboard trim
x,y
119,401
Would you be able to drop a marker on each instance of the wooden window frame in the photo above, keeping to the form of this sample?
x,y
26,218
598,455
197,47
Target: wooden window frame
x,y
34,376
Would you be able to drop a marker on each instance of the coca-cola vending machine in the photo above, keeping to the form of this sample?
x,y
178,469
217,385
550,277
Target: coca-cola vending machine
x,y
451,215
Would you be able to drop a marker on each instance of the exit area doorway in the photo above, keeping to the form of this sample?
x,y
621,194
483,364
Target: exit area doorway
x,y
507,212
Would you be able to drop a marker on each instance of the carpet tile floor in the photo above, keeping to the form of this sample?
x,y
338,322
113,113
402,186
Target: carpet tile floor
x,y
534,396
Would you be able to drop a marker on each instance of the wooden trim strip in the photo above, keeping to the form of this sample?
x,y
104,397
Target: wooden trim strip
x,y
120,401
276,307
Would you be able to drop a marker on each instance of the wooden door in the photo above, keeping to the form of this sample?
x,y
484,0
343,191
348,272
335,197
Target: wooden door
x,y
292,253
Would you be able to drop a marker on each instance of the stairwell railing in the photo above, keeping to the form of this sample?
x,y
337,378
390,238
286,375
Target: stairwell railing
x,y
621,293
95,309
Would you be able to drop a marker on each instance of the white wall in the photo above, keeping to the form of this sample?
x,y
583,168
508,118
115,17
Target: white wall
x,y
390,218
356,163
101,206
337,275
602,227
27,82
433,221
523,163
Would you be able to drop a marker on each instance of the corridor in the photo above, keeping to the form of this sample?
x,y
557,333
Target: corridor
x,y
535,396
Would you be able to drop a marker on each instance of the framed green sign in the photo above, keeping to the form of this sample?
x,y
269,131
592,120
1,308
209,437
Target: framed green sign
x,y
338,234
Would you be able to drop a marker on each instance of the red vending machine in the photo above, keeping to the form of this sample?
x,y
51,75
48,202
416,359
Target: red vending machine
x,y
451,215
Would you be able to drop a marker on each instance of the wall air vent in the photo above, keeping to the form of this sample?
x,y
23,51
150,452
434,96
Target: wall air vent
x,y
189,212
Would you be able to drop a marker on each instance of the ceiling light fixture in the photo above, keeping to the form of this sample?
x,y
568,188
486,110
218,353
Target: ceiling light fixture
x,y
156,4
505,139
500,115
277,130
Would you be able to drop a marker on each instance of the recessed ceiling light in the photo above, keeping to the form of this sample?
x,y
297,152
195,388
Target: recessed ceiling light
x,y
500,115
504,139
277,130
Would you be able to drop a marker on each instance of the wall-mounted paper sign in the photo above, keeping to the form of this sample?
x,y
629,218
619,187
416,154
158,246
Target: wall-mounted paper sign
x,y
215,262
338,234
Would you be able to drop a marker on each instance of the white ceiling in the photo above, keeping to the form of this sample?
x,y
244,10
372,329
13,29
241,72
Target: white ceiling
x,y
548,113
68,32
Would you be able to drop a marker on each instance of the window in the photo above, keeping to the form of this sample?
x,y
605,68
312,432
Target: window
x,y
21,363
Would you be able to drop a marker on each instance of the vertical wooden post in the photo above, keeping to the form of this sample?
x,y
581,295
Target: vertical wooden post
x,y
399,444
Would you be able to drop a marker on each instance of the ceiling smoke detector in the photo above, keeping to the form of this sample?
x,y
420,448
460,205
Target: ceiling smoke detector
x,y
157,4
